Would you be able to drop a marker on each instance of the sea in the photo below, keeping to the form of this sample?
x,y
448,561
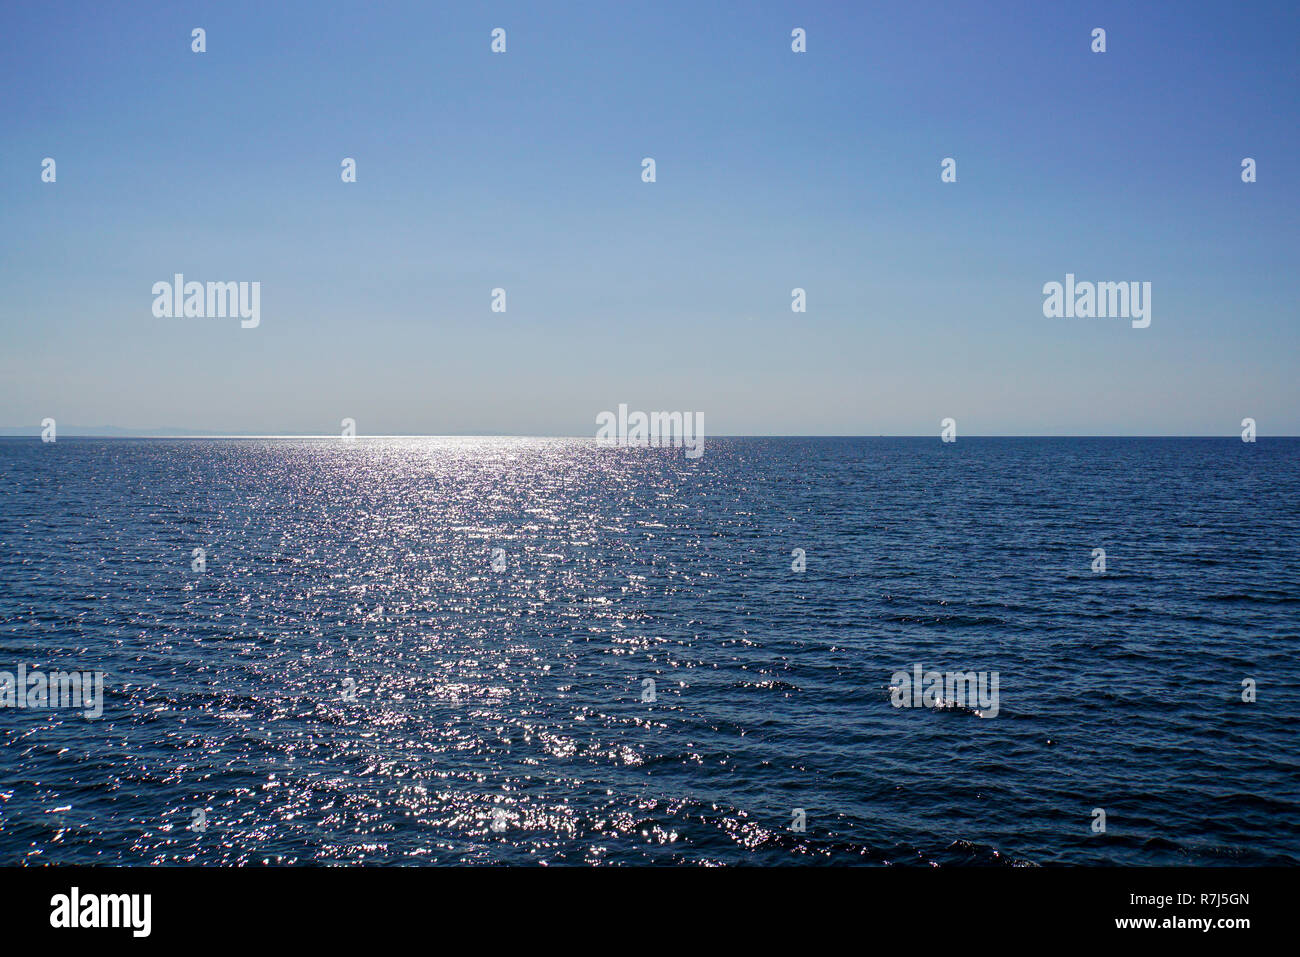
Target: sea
x,y
536,651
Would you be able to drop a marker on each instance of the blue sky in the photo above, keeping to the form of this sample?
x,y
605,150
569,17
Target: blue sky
x,y
775,170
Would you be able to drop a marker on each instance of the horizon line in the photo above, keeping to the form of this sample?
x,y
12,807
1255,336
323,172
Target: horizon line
x,y
506,435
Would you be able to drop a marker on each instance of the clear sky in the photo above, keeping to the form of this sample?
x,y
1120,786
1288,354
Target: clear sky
x,y
775,170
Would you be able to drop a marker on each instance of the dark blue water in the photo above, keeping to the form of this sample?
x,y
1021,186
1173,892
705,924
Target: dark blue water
x,y
514,697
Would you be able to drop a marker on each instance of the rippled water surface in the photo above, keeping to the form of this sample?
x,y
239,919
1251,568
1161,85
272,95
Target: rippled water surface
x,y
514,697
